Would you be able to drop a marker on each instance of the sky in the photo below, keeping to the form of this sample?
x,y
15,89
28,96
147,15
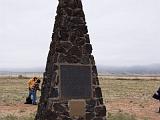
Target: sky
x,y
122,32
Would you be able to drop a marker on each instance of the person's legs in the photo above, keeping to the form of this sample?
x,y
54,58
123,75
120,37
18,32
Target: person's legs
x,y
34,97
28,99
30,93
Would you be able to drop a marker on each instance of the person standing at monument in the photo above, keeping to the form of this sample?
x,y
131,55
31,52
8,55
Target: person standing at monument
x,y
35,88
32,89
157,97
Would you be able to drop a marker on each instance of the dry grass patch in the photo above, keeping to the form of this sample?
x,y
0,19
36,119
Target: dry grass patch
x,y
130,95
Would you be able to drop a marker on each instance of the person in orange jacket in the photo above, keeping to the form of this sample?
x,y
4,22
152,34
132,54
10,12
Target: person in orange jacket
x,y
32,90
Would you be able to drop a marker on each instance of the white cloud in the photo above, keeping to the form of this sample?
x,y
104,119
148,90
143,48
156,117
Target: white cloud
x,y
122,32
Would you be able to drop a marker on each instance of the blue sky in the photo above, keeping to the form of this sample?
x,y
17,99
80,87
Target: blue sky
x,y
122,32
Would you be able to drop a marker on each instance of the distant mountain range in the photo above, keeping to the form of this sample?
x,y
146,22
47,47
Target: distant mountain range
x,y
102,69
139,69
34,69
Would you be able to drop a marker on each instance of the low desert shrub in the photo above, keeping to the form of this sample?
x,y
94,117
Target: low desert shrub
x,y
120,116
9,117
13,117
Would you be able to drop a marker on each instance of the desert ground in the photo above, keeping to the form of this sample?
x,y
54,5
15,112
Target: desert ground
x,y
131,96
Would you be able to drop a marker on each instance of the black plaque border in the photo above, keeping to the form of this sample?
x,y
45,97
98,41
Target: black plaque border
x,y
59,74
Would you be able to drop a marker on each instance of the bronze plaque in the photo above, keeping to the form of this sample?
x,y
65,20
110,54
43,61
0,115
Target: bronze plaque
x,y
75,82
77,108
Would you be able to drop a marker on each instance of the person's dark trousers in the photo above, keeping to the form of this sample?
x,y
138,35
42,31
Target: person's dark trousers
x,y
28,99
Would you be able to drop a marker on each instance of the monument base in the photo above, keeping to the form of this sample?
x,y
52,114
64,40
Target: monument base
x,y
74,94
74,110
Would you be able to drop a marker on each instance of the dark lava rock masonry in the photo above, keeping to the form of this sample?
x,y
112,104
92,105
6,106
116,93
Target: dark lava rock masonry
x,y
70,46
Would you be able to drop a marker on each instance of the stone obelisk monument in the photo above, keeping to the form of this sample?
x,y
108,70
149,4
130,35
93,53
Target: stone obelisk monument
x,y
70,89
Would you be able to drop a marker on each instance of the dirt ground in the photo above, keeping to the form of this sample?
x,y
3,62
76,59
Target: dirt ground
x,y
147,110
17,110
126,95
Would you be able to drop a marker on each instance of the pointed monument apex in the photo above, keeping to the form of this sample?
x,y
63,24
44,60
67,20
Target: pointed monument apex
x,y
70,89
